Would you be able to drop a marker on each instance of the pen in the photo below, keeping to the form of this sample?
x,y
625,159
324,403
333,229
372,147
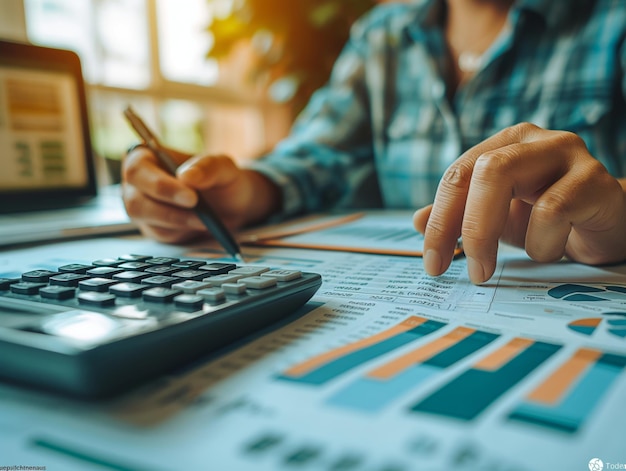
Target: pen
x,y
203,210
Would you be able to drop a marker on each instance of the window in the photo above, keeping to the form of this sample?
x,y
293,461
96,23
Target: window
x,y
152,54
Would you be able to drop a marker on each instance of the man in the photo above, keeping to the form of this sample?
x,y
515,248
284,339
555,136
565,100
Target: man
x,y
419,85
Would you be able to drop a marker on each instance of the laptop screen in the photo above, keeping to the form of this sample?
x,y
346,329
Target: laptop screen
x,y
45,149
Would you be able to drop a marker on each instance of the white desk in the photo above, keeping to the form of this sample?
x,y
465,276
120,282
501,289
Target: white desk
x,y
388,370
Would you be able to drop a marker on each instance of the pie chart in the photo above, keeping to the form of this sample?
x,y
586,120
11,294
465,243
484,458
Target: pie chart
x,y
614,326
587,293
585,326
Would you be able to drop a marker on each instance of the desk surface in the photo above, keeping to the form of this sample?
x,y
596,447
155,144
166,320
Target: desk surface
x,y
387,369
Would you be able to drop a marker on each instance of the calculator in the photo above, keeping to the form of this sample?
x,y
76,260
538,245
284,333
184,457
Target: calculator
x,y
96,330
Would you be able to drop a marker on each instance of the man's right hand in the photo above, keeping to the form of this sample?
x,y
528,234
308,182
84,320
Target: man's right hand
x,y
162,204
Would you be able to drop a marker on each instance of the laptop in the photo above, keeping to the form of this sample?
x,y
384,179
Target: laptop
x,y
48,184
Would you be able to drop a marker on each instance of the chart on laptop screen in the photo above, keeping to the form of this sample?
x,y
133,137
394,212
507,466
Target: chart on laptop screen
x,y
40,131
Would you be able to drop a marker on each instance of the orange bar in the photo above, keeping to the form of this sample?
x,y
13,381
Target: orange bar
x,y
319,360
553,389
592,322
420,354
502,356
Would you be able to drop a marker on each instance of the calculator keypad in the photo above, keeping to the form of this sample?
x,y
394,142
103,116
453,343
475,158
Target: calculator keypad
x,y
150,284
118,322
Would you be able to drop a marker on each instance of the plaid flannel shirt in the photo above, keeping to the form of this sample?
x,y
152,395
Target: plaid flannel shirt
x,y
385,125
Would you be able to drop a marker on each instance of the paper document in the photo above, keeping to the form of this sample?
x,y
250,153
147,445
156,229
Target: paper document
x,y
386,233
385,369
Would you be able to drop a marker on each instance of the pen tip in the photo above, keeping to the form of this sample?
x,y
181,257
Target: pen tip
x,y
238,257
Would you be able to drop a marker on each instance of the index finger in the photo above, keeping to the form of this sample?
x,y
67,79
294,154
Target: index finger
x,y
446,218
142,169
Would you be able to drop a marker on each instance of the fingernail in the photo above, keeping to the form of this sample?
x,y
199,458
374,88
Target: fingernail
x,y
185,198
432,262
192,174
475,270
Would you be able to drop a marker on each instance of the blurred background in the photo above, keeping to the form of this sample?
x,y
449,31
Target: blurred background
x,y
224,76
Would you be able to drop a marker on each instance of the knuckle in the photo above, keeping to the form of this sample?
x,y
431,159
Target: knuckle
x,y
435,228
496,165
551,206
520,131
473,233
572,139
472,228
568,140
596,171
458,175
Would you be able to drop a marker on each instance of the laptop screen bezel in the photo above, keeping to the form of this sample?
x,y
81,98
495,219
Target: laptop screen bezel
x,y
40,58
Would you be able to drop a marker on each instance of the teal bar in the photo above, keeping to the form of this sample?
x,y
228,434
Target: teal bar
x,y
470,393
337,367
571,413
372,394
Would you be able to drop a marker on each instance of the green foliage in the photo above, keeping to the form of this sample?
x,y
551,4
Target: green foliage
x,y
295,42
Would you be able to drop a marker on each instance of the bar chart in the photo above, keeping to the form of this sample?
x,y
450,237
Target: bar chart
x,y
474,390
567,398
382,385
329,365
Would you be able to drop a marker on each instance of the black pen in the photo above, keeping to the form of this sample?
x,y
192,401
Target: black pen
x,y
203,210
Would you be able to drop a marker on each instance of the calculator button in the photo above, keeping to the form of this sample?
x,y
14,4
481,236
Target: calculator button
x,y
234,288
5,283
160,280
38,276
154,261
57,292
100,285
67,279
187,264
258,282
104,272
27,287
160,295
195,275
217,268
284,275
189,302
75,268
249,271
161,270
96,299
131,276
212,294
107,262
134,257
134,266
219,280
190,286
128,290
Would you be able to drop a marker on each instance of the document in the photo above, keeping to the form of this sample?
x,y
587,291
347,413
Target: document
x,y
383,232
386,368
